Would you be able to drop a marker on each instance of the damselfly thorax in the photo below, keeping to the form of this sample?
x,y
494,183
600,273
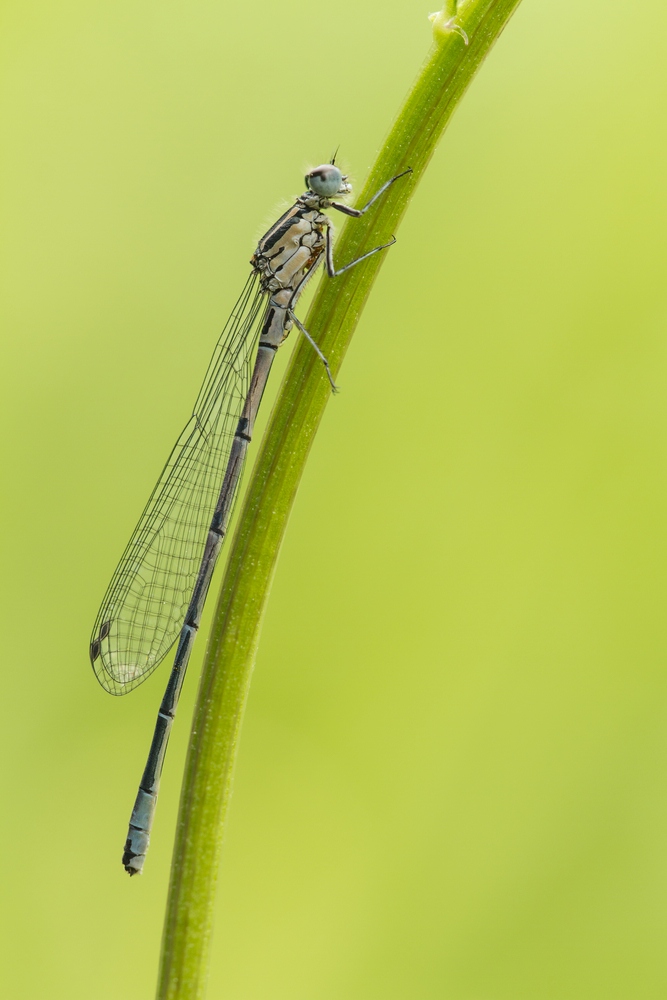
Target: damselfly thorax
x,y
286,258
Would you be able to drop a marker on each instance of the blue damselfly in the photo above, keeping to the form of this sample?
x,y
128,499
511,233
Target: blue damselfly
x,y
156,596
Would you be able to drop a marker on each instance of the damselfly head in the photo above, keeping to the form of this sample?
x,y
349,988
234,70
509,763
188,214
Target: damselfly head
x,y
327,180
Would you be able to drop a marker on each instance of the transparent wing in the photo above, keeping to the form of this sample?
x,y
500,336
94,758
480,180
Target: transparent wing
x,y
145,605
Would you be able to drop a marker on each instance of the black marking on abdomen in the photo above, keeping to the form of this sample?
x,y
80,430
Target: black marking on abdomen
x,y
269,319
241,429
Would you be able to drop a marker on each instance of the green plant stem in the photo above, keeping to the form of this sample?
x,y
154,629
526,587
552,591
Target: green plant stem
x,y
230,655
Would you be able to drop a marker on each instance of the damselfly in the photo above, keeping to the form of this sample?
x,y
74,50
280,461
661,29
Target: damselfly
x,y
157,593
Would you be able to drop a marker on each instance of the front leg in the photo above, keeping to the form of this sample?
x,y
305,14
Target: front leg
x,y
356,213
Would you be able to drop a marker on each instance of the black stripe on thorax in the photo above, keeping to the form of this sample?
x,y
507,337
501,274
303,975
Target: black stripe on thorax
x,y
282,226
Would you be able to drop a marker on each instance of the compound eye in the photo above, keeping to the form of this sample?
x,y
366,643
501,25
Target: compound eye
x,y
325,181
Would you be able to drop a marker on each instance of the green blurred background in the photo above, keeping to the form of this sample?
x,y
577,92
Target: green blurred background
x,y
451,781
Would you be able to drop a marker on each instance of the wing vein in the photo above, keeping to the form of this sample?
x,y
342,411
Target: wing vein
x,y
145,604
